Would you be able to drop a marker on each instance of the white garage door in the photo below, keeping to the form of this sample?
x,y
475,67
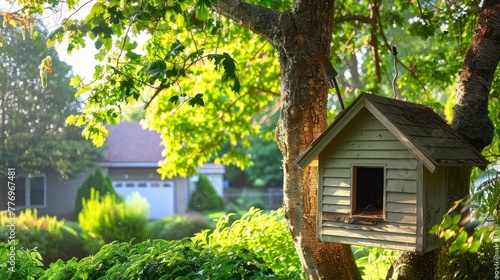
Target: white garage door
x,y
159,194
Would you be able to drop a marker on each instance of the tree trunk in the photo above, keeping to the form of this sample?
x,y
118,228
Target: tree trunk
x,y
303,117
297,34
471,106
410,266
470,118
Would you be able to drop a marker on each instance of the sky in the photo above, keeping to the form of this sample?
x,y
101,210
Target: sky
x,y
82,60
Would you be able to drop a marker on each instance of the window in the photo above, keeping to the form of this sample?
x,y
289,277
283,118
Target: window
x,y
368,191
143,184
30,191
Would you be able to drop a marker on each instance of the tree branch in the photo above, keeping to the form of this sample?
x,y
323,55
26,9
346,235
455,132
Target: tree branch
x,y
471,108
359,18
254,17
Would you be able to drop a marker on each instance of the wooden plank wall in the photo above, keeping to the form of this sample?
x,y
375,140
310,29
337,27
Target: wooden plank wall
x,y
435,204
369,142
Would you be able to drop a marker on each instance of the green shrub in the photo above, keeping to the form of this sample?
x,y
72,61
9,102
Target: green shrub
x,y
53,238
176,227
478,265
61,270
74,244
234,211
205,198
265,235
96,181
161,259
108,219
469,248
19,264
374,263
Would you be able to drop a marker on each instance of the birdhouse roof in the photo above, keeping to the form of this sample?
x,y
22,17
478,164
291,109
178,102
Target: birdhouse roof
x,y
417,127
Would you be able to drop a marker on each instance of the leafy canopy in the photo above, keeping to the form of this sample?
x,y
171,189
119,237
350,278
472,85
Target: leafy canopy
x,y
203,78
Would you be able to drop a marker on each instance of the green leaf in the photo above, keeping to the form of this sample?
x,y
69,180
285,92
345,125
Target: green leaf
x,y
434,229
201,10
228,64
474,246
420,29
197,100
55,36
105,30
174,99
96,12
454,248
195,55
446,223
457,219
115,15
175,49
462,237
157,68
75,81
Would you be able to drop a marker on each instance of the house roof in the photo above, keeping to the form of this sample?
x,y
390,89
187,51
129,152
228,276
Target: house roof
x,y
417,127
129,143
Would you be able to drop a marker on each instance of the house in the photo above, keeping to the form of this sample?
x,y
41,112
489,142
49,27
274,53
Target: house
x,y
132,156
386,169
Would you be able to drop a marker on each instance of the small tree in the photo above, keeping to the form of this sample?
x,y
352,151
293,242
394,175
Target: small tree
x,y
97,181
205,197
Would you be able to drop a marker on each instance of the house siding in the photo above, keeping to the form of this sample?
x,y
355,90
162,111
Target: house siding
x,y
369,143
61,195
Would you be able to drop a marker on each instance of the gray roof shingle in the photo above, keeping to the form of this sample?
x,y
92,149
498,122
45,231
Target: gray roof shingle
x,y
417,126
129,142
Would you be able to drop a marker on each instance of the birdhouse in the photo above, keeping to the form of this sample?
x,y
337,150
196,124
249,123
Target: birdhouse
x,y
386,169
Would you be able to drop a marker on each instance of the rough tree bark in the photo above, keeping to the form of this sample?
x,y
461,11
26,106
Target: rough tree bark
x,y
471,106
471,114
297,34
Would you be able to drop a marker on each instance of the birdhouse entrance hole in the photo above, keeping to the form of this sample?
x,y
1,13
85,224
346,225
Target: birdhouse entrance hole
x,y
368,192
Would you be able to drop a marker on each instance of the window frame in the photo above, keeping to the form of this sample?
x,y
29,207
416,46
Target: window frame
x,y
354,190
27,190
142,184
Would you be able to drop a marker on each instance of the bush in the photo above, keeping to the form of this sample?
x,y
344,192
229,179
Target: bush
x,y
96,181
160,259
54,239
108,219
27,264
478,265
265,235
60,270
205,198
374,263
234,211
176,227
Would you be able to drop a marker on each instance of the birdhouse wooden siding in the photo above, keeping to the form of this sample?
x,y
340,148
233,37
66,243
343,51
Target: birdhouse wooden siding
x,y
384,168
